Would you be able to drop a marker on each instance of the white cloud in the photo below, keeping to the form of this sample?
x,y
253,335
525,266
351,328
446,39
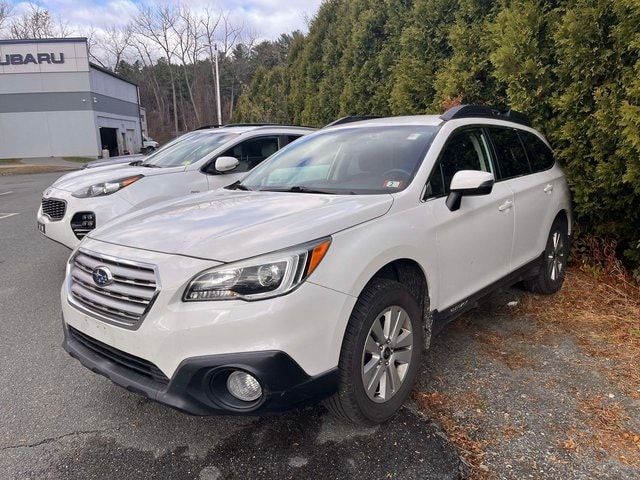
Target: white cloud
x,y
266,18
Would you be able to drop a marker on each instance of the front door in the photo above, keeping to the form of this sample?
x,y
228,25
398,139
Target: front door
x,y
474,242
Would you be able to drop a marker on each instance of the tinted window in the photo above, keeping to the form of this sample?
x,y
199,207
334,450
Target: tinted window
x,y
252,152
292,138
465,150
511,156
540,156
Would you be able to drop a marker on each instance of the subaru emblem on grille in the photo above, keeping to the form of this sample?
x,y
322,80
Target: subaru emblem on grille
x,y
102,276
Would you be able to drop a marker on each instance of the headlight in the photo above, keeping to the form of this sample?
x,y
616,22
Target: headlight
x,y
261,277
106,188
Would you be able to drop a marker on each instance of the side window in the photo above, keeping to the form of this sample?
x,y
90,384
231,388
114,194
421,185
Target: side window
x,y
466,149
291,138
540,155
511,156
252,152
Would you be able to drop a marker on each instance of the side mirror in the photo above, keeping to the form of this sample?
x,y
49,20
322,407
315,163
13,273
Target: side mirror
x,y
226,164
468,183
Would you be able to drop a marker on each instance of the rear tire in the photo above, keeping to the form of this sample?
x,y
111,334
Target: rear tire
x,y
551,275
382,347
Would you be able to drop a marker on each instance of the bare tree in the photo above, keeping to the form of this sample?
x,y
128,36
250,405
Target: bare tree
x,y
62,28
92,46
147,56
6,11
36,22
113,43
188,35
154,24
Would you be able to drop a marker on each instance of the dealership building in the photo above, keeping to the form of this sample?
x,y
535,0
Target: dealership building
x,y
55,103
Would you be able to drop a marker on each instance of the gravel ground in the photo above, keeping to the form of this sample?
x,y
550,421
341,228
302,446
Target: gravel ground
x,y
536,408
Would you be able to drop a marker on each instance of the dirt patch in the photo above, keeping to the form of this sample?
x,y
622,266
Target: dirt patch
x,y
542,387
20,170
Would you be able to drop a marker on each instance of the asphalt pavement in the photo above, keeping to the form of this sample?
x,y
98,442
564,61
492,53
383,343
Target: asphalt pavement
x,y
60,421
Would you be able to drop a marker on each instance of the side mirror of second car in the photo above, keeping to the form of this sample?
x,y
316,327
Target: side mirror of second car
x,y
226,164
467,183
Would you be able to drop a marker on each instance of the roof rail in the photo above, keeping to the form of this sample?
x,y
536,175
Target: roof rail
x,y
206,127
250,125
482,111
350,119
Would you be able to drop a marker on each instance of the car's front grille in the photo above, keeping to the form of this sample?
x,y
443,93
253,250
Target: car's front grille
x,y
53,208
124,299
131,362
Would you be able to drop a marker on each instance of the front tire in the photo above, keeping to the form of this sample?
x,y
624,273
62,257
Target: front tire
x,y
380,354
551,275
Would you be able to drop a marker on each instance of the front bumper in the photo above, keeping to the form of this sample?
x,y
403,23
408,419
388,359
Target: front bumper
x,y
104,208
306,326
195,387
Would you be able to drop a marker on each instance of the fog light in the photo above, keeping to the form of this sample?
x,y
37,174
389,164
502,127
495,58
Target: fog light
x,y
244,386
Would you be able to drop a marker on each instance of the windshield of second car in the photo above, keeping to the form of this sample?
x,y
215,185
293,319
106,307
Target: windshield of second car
x,y
188,150
357,160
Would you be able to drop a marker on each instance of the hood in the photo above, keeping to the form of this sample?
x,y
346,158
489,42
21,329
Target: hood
x,y
84,178
232,225
122,160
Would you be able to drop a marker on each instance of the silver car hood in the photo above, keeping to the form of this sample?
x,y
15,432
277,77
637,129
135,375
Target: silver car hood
x,y
231,225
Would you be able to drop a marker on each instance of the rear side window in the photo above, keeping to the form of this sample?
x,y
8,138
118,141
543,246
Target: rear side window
x,y
540,155
466,150
512,158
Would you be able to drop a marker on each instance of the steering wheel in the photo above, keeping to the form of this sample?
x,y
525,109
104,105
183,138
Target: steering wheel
x,y
397,174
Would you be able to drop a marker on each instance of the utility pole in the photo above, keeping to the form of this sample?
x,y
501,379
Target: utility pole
x,y
216,74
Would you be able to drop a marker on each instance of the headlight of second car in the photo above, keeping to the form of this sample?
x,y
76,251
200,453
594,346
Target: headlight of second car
x,y
258,278
106,188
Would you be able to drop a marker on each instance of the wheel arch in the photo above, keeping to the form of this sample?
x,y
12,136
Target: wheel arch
x,y
410,273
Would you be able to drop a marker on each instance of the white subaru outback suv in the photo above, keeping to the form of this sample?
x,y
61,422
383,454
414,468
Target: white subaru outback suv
x,y
325,272
196,162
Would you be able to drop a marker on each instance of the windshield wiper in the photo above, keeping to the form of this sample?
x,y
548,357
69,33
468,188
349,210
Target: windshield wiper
x,y
237,186
136,163
150,165
298,189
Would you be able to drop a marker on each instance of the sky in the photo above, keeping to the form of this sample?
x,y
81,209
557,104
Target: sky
x,y
267,18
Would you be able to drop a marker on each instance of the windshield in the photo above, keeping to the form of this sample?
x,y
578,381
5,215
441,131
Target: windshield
x,y
188,149
359,160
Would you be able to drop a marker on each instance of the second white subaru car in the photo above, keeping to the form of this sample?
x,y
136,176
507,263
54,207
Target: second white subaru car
x,y
325,272
199,161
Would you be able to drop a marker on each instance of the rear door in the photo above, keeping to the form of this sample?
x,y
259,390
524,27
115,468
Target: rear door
x,y
533,195
474,242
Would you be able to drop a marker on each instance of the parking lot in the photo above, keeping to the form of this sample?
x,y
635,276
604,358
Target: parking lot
x,y
58,420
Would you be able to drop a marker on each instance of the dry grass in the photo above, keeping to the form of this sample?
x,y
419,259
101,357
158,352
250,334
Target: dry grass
x,y
440,407
603,313
600,308
605,431
506,352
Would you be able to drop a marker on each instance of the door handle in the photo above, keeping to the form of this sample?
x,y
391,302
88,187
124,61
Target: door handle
x,y
548,188
505,206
